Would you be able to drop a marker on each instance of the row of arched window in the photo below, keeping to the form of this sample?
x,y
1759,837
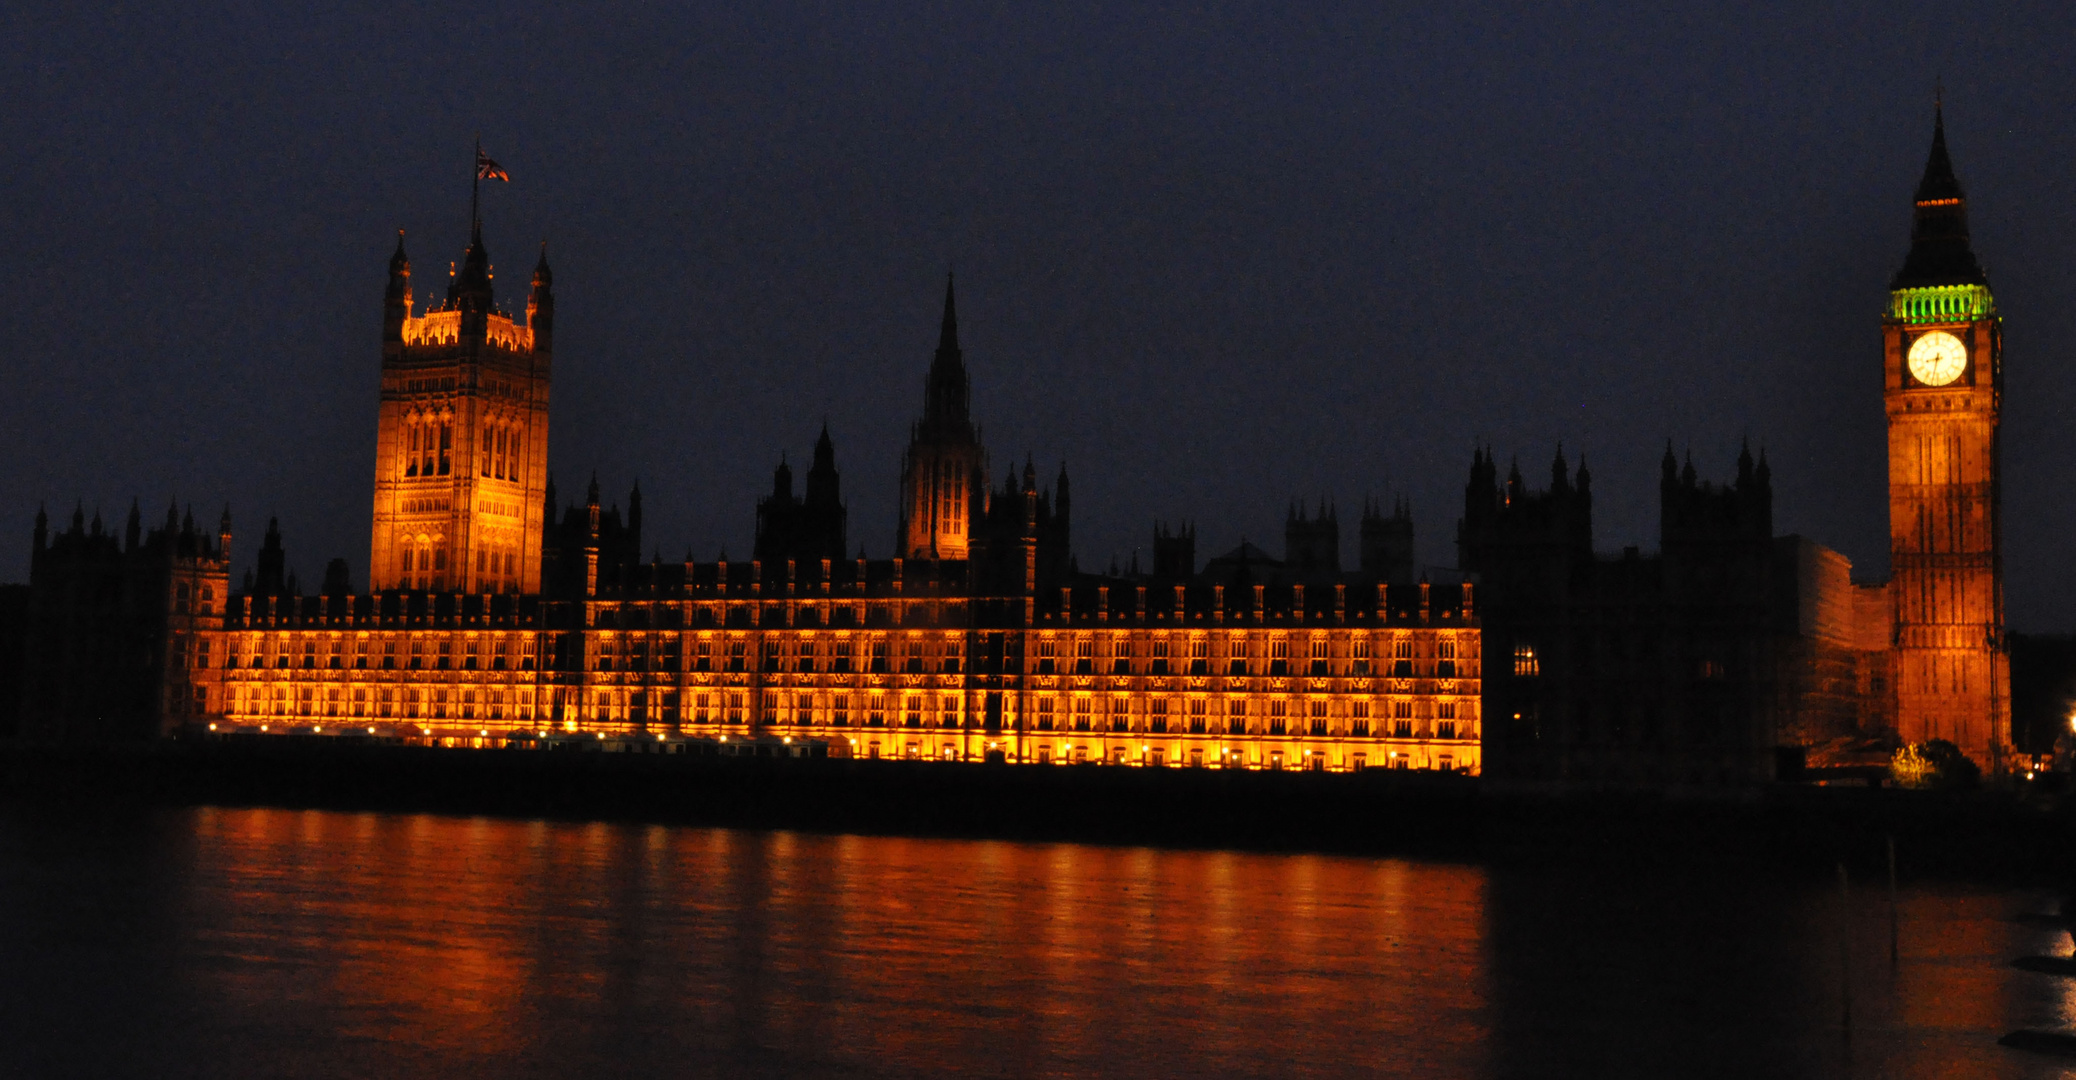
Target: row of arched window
x,y
428,446
499,458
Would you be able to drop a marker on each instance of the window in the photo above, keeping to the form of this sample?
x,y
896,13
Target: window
x,y
1157,717
1045,714
1360,650
1526,665
1319,717
1082,708
1359,718
1277,716
1196,716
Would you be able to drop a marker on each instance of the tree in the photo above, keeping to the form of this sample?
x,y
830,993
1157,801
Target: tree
x,y
1933,764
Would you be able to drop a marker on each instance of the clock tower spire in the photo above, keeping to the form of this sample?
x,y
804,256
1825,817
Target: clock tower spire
x,y
1942,383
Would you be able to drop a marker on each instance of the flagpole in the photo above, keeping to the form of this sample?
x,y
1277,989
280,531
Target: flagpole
x,y
476,187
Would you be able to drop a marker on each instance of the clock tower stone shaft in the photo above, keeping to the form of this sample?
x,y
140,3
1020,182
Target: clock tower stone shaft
x,y
1942,379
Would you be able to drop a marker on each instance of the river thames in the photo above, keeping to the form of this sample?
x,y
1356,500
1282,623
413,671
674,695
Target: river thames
x,y
254,942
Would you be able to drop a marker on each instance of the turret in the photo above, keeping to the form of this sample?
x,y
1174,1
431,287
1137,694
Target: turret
x,y
824,485
634,523
540,305
42,534
396,300
272,563
223,533
133,529
1387,542
1174,553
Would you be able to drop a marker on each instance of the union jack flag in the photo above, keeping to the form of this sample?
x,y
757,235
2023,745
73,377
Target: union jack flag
x,y
487,169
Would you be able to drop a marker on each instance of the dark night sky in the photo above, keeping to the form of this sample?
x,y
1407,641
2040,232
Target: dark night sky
x,y
1215,256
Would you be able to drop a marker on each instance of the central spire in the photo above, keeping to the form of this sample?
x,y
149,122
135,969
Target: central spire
x,y
1939,250
945,399
948,334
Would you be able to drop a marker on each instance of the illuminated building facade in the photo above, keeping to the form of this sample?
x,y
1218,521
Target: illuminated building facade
x,y
497,614
981,641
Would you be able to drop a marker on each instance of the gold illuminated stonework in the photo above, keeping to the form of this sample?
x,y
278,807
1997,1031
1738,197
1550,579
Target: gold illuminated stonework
x,y
879,668
461,450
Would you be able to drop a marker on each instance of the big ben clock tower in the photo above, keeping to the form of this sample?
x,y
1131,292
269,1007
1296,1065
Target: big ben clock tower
x,y
1942,379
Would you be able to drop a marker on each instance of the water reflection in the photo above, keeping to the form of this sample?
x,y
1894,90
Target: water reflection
x,y
269,942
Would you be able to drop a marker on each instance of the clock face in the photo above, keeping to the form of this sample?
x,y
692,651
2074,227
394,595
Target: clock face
x,y
1937,358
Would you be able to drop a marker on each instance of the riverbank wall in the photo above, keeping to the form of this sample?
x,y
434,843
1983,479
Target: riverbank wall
x,y
1990,835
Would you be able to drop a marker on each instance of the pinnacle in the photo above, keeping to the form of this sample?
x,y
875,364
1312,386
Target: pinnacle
x,y
948,332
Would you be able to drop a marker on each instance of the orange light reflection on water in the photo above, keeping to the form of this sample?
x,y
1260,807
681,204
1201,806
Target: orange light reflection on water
x,y
367,944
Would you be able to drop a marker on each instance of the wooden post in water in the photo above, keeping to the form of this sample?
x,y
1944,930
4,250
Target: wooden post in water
x,y
1895,916
1845,954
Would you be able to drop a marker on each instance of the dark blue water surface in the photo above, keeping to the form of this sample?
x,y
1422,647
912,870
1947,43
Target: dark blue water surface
x,y
252,942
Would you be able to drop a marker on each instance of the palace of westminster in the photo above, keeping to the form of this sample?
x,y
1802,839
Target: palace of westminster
x,y
496,615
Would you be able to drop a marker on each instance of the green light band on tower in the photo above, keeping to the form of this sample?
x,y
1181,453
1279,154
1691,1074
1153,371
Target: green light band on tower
x,y
1942,303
